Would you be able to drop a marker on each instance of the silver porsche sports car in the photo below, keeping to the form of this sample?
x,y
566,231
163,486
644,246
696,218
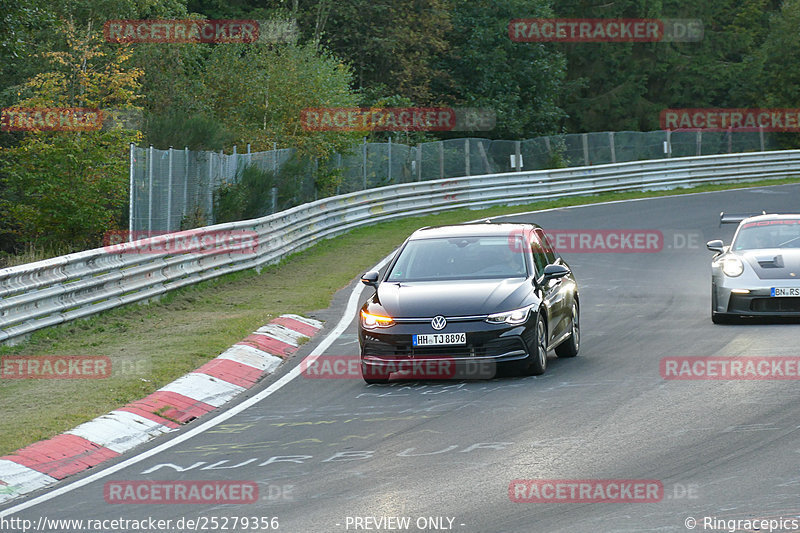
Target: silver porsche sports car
x,y
759,273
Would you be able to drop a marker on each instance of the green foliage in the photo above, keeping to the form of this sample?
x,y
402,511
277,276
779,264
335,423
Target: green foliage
x,y
264,105
520,82
248,197
401,41
180,129
65,189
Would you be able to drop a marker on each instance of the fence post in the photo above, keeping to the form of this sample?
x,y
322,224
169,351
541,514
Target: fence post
x,y
364,161
612,146
150,192
547,145
585,141
274,199
275,159
130,202
441,159
466,158
338,166
249,155
699,142
185,180
209,196
518,156
730,140
235,160
761,136
390,160
419,162
668,144
169,193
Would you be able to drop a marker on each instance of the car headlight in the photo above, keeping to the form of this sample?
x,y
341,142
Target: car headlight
x,y
369,320
517,316
732,266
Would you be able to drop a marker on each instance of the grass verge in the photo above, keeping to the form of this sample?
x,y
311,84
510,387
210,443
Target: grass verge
x,y
151,345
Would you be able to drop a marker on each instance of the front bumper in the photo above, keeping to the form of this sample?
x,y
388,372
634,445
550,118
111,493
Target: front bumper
x,y
489,348
758,301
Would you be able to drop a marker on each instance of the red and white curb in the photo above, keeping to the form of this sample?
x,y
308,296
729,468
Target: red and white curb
x,y
212,385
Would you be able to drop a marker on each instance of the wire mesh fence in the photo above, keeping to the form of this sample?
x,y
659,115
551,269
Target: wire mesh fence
x,y
175,189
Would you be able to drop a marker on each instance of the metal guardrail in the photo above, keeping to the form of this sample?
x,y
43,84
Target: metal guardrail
x,y
61,289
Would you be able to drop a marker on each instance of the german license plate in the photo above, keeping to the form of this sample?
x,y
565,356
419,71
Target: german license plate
x,y
439,339
785,291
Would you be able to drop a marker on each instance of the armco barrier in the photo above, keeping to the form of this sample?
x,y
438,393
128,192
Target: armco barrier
x,y
57,290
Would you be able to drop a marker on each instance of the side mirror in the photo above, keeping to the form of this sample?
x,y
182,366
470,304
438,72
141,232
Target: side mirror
x,y
554,272
370,278
715,246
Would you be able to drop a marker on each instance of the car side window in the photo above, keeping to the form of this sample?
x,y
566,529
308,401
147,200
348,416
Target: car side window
x,y
549,250
539,256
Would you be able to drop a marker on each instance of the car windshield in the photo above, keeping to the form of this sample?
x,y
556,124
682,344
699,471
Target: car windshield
x,y
459,258
784,233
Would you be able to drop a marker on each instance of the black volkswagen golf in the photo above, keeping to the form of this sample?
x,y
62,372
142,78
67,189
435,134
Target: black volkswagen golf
x,y
461,301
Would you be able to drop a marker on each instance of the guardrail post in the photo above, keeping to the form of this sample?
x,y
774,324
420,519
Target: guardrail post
x,y
169,192
150,191
466,158
612,146
131,194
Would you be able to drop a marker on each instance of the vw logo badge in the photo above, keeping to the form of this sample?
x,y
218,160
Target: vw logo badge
x,y
438,322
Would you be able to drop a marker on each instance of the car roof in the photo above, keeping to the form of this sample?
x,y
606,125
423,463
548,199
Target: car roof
x,y
470,230
761,218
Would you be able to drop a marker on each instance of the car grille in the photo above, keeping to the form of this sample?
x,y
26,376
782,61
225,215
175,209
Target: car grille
x,y
775,305
492,348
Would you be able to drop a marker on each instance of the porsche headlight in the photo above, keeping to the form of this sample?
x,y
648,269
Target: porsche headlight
x,y
370,321
517,316
732,266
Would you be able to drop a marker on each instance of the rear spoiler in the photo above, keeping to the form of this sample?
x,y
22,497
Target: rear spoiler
x,y
735,218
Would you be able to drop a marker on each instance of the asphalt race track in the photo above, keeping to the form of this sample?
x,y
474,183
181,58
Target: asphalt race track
x,y
329,453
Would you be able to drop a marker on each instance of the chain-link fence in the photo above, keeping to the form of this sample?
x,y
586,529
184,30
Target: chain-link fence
x,y
174,189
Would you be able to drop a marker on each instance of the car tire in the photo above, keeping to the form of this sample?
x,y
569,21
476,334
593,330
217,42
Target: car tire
x,y
570,346
374,377
538,363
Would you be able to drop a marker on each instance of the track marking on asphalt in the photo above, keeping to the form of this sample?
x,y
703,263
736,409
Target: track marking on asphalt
x,y
344,323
